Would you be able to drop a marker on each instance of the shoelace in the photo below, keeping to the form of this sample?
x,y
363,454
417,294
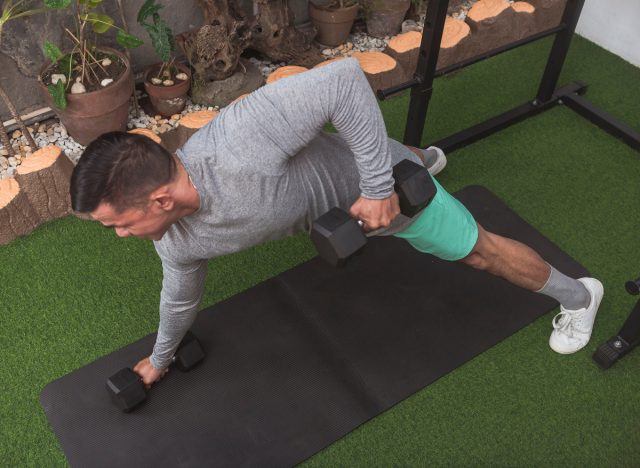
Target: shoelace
x,y
565,322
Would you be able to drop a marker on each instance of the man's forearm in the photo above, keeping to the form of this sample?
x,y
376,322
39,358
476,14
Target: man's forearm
x,y
182,288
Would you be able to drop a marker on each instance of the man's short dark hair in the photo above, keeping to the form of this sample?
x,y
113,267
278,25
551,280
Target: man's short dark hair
x,y
120,169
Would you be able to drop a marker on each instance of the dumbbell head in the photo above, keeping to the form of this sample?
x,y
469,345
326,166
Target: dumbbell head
x,y
126,389
414,186
189,353
337,236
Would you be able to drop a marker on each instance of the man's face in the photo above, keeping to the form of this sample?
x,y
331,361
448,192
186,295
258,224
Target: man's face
x,y
149,223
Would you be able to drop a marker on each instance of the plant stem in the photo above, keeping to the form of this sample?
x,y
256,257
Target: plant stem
x,y
6,142
16,115
128,54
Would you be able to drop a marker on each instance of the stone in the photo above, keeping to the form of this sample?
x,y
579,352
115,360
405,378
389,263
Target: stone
x,y
167,83
58,77
4,152
4,162
156,81
106,62
78,88
175,117
16,134
13,162
106,82
327,52
182,76
42,128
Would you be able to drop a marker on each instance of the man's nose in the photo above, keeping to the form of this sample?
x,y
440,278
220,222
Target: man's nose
x,y
122,232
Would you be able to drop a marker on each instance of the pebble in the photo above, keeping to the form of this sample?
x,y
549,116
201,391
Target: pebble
x,y
16,134
167,83
58,77
156,81
182,76
106,62
78,88
106,82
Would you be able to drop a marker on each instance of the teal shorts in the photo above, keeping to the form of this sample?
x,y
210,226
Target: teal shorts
x,y
445,228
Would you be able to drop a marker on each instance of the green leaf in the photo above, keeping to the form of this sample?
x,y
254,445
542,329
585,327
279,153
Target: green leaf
x,y
161,39
52,51
100,23
149,8
90,3
127,40
57,4
57,93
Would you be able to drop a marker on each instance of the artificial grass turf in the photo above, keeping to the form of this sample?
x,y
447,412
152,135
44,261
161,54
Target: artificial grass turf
x,y
71,292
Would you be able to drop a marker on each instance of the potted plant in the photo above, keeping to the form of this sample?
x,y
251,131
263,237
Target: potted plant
x,y
385,17
88,87
167,83
333,19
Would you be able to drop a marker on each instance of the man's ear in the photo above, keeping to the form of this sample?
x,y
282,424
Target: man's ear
x,y
162,198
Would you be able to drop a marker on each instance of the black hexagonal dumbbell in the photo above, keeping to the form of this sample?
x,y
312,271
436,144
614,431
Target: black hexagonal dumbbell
x,y
126,388
337,236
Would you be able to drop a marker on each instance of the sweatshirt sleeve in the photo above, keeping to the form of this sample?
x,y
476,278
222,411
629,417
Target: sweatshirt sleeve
x,y
275,122
182,288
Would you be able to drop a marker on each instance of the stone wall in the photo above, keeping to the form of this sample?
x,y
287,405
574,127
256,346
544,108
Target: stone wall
x,y
21,51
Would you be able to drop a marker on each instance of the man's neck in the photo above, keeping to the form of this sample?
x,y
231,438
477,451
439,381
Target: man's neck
x,y
186,194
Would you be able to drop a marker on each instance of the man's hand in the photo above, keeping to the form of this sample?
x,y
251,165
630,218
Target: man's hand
x,y
148,373
376,214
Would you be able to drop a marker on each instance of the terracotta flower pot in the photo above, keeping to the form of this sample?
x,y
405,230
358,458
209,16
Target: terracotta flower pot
x,y
385,17
89,115
167,100
333,25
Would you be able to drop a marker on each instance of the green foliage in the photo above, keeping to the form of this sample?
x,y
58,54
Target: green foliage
x,y
161,35
57,4
90,3
52,52
128,40
99,22
57,92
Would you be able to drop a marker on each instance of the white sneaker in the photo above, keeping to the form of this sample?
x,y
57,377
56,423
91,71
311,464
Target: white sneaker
x,y
572,328
441,161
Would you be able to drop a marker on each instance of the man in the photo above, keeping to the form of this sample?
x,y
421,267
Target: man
x,y
263,169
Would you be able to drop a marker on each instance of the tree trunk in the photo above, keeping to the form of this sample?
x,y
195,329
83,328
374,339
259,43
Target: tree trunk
x,y
214,50
274,35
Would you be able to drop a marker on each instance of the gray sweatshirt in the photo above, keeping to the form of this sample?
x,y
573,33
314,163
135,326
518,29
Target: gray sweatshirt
x,y
264,170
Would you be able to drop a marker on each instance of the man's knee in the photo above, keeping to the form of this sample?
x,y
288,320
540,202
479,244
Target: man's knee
x,y
484,252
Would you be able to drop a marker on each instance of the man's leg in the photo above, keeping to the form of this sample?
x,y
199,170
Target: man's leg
x,y
521,265
447,230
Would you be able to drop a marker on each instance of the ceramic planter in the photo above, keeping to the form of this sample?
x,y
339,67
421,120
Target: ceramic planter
x,y
89,115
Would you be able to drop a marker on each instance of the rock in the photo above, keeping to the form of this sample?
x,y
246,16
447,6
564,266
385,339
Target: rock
x,y
327,52
4,162
13,162
78,88
11,170
63,131
167,83
410,25
164,128
106,62
182,76
4,152
42,128
53,138
106,82
58,77
156,81
175,117
16,134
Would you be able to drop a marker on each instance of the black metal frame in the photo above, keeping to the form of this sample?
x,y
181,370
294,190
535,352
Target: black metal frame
x,y
548,96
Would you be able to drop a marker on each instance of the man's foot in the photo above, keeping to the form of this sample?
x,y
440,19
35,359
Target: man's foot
x,y
435,159
572,328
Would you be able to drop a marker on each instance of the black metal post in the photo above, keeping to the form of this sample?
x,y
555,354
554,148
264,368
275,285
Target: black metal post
x,y
559,50
425,71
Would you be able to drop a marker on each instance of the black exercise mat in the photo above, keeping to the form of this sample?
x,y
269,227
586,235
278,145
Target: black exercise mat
x,y
300,360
